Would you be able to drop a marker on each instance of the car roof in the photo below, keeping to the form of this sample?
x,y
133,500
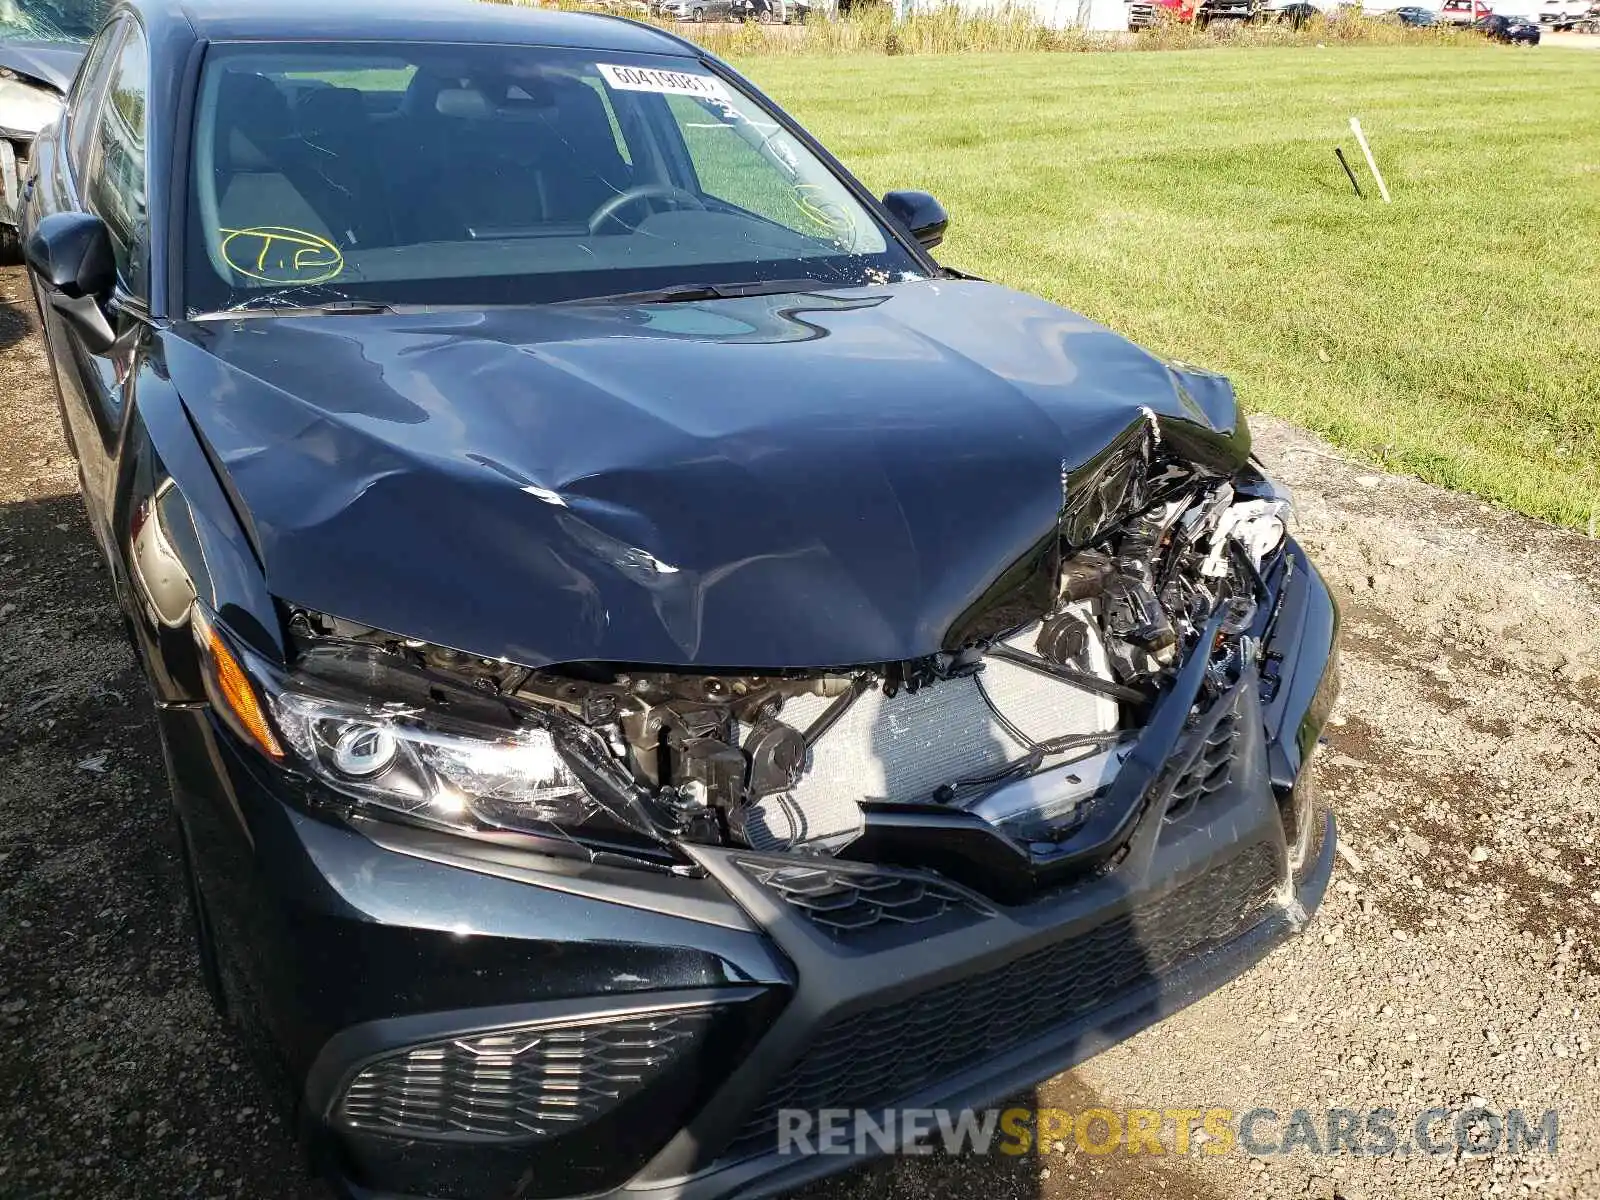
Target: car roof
x,y
422,21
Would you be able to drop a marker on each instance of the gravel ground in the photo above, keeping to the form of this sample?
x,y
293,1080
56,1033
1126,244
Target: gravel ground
x,y
1453,963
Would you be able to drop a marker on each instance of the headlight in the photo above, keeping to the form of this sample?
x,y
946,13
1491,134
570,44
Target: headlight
x,y
392,757
398,741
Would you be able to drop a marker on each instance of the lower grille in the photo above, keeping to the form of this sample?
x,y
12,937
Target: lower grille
x,y
847,904
1211,769
873,1058
525,1083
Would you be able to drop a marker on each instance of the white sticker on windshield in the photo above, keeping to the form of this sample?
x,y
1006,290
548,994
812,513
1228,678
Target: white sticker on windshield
x,y
653,79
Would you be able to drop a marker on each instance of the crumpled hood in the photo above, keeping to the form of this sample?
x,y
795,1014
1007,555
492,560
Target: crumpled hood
x,y
53,63
778,481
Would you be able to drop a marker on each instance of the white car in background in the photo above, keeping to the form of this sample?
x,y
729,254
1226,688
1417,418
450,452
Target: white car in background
x,y
1562,14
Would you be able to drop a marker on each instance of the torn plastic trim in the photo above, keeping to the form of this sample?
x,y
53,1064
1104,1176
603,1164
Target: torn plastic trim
x,y
1152,461
965,847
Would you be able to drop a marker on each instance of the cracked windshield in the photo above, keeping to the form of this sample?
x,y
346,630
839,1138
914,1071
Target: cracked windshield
x,y
470,174
51,20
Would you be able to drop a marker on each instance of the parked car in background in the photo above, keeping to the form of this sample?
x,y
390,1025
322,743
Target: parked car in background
x,y
763,12
697,10
41,44
1410,15
1142,14
1297,15
1512,30
1561,15
1463,12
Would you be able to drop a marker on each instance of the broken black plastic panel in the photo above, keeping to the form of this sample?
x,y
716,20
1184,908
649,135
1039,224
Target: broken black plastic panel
x,y
973,852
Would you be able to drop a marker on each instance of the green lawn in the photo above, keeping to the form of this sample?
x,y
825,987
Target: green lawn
x,y
1191,200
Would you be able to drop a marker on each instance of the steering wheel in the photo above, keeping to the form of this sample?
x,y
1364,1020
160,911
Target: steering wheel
x,y
644,191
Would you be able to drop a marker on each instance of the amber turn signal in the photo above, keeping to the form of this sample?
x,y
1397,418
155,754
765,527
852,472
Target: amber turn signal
x,y
240,697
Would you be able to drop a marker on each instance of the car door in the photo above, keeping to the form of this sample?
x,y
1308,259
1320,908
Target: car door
x,y
51,192
106,162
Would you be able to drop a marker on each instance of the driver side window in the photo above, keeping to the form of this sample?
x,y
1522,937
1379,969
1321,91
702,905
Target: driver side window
x,y
84,99
113,171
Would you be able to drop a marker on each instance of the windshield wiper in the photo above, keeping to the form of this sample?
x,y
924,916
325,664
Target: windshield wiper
x,y
303,299
679,293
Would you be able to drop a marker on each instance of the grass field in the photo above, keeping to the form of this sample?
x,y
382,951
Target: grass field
x,y
1191,200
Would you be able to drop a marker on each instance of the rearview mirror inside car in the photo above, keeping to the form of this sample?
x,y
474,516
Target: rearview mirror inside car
x,y
71,254
922,215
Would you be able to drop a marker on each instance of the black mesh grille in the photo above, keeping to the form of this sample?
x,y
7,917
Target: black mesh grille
x,y
846,904
876,1057
1210,772
527,1083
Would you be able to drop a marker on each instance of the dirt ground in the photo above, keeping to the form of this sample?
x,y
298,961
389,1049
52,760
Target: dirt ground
x,y
1572,41
1454,963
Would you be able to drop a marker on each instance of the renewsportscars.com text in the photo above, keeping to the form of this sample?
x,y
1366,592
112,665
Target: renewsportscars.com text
x,y
1259,1132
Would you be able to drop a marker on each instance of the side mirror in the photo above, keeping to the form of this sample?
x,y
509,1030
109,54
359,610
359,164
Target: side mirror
x,y
71,254
922,215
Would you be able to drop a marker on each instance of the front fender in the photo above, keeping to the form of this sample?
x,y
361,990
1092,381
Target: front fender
x,y
178,539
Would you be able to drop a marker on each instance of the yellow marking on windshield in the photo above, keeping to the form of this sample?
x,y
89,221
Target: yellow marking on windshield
x,y
816,208
280,254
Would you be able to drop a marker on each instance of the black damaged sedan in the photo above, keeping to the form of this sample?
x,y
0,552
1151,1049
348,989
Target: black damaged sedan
x,y
641,650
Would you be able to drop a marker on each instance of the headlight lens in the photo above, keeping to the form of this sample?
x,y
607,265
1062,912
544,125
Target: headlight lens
x,y
437,751
394,759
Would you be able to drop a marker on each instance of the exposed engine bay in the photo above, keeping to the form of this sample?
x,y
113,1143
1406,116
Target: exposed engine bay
x,y
1021,728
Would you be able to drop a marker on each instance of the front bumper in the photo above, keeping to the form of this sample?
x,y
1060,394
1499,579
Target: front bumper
x,y
345,944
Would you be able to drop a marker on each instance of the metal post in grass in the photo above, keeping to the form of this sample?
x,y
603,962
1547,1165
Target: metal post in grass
x,y
1383,188
1339,152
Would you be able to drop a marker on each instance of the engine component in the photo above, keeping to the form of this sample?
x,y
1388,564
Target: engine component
x,y
713,764
777,752
1084,577
1140,636
1064,640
